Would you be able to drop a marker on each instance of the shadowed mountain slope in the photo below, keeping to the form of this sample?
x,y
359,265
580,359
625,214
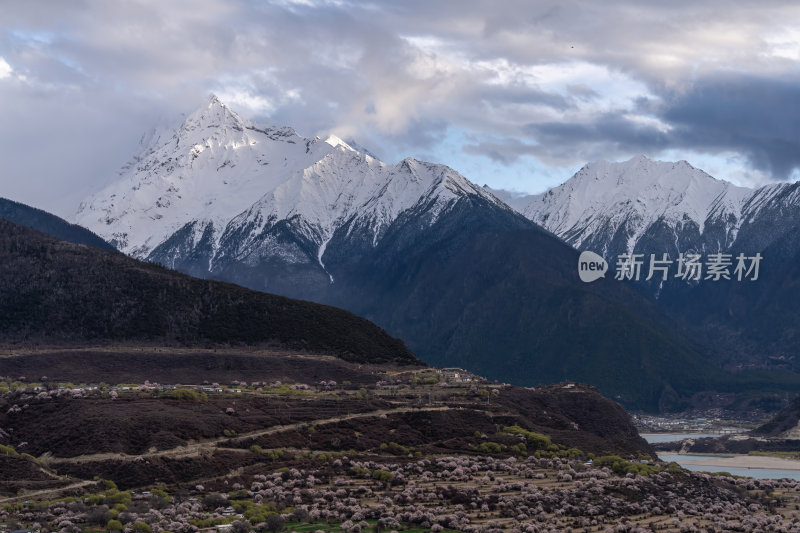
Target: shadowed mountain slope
x,y
52,290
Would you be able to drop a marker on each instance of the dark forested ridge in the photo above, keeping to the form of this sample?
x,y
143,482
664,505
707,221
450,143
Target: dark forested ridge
x,y
28,216
787,420
53,290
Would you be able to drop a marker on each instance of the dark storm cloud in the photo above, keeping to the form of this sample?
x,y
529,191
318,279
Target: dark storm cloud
x,y
607,128
757,116
605,136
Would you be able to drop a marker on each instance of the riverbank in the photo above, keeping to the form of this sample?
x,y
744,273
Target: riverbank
x,y
722,461
653,438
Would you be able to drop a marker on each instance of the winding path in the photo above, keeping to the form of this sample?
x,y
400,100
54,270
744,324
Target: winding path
x,y
207,446
46,494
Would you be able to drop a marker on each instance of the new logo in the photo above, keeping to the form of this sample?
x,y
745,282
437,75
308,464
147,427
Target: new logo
x,y
591,267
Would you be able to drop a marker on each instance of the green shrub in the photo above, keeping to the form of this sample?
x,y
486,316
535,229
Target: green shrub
x,y
620,466
141,527
274,454
95,499
118,498
7,450
107,483
674,468
519,449
256,513
114,525
545,454
396,449
161,494
32,458
359,471
488,447
572,453
537,441
382,475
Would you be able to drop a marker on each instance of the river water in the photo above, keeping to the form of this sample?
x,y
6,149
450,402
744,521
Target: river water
x,y
758,473
669,437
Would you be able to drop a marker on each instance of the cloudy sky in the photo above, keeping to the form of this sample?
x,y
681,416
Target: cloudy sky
x,y
514,93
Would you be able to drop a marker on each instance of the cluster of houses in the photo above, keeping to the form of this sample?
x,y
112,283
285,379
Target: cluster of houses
x,y
665,424
458,375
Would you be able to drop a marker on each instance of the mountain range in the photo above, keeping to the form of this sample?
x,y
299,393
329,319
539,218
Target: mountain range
x,y
642,206
217,193
464,277
648,207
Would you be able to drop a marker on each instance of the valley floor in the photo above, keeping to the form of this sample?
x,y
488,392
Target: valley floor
x,y
454,493
375,449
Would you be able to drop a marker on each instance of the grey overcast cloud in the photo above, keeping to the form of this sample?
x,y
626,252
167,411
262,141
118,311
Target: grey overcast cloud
x,y
516,94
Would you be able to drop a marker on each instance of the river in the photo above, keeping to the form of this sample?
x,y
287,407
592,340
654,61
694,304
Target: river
x,y
758,467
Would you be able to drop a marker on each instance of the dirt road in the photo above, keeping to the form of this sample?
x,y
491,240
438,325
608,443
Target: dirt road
x,y
207,446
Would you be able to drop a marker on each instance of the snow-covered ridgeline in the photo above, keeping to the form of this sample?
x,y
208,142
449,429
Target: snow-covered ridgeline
x,y
215,170
605,199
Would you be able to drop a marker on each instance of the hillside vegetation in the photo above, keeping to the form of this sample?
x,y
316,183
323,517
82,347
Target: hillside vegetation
x,y
55,291
57,227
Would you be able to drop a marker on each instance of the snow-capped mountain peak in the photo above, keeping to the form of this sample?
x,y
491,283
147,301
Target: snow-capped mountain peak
x,y
234,188
335,141
647,206
214,115
622,201
208,166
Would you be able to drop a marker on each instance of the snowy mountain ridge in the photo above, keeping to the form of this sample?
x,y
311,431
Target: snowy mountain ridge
x,y
215,189
612,208
225,182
